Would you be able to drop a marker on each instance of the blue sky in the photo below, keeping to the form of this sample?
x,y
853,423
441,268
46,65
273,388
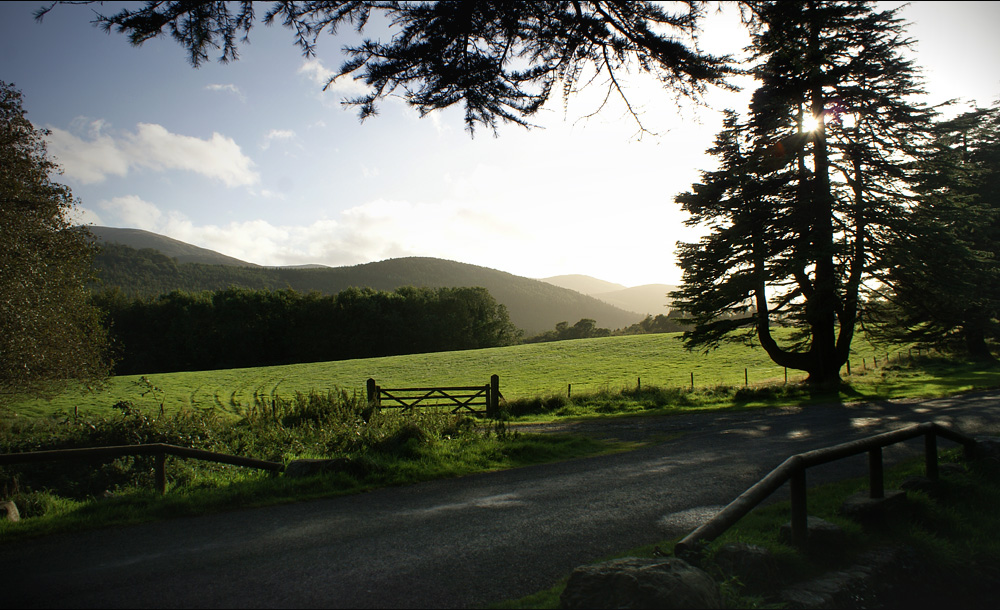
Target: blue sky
x,y
254,160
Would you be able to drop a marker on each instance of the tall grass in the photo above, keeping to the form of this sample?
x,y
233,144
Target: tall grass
x,y
371,448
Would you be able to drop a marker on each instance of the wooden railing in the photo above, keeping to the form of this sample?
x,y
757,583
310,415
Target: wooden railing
x,y
158,450
793,471
455,398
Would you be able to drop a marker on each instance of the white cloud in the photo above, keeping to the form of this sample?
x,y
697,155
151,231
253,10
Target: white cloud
x,y
132,211
80,215
219,157
611,240
93,158
227,88
277,134
88,161
321,75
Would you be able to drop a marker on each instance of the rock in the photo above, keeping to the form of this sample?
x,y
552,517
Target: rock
x,y
821,535
873,511
754,566
306,468
986,448
870,583
634,582
8,511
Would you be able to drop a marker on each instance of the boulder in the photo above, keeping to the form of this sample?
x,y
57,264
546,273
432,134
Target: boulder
x,y
307,468
864,509
754,566
821,535
8,511
635,582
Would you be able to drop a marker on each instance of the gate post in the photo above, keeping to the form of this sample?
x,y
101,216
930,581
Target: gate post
x,y
372,393
493,397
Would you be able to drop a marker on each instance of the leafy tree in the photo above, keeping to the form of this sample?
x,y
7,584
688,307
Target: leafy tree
x,y
945,276
501,60
49,335
799,214
586,328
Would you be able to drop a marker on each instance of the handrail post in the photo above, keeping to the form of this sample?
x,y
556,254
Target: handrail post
x,y
800,523
930,454
876,481
161,471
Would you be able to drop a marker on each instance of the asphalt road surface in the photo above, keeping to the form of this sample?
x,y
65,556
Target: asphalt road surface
x,y
461,542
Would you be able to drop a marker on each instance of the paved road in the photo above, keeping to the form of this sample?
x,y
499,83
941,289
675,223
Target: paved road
x,y
461,542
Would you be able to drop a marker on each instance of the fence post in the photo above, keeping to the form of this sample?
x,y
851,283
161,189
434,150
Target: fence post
x,y
930,455
692,381
161,472
746,377
800,523
876,480
372,393
569,390
493,397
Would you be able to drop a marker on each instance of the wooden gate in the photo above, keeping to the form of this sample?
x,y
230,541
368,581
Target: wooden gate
x,y
456,398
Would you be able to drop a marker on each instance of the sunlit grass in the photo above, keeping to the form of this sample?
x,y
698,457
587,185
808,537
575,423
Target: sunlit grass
x,y
568,368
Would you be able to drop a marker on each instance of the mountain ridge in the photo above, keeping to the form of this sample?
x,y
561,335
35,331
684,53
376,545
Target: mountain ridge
x,y
533,305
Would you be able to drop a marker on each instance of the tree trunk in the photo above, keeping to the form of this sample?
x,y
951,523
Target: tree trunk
x,y
975,343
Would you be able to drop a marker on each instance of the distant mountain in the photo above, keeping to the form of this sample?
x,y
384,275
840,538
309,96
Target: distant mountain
x,y
533,305
647,299
183,252
584,284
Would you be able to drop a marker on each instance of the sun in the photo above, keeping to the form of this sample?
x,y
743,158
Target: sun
x,y
811,123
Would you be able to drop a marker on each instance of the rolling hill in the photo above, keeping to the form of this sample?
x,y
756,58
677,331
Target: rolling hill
x,y
144,270
646,299
183,252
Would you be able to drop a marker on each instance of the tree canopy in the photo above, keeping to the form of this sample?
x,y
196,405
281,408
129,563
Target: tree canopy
x,y
500,60
808,187
952,295
49,335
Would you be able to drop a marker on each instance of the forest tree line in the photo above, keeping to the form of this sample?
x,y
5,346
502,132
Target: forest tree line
x,y
239,327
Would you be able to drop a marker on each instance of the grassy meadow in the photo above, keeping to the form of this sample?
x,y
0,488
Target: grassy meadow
x,y
526,371
319,411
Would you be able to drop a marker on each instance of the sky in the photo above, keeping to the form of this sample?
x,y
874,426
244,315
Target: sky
x,y
253,159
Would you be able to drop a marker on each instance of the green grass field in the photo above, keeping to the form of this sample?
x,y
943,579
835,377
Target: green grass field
x,y
588,365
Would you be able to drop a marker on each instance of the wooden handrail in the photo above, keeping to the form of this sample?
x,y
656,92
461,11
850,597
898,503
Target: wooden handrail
x,y
158,450
793,471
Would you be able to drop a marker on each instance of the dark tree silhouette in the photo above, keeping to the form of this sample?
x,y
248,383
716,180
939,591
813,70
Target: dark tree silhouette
x,y
945,276
799,212
500,60
49,334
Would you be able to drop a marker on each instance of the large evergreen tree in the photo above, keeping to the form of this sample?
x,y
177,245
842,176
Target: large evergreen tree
x,y
49,334
807,187
945,273
500,60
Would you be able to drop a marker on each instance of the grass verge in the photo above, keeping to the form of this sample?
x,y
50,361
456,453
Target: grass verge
x,y
375,449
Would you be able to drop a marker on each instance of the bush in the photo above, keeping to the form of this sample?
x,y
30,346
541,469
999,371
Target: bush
x,y
334,424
